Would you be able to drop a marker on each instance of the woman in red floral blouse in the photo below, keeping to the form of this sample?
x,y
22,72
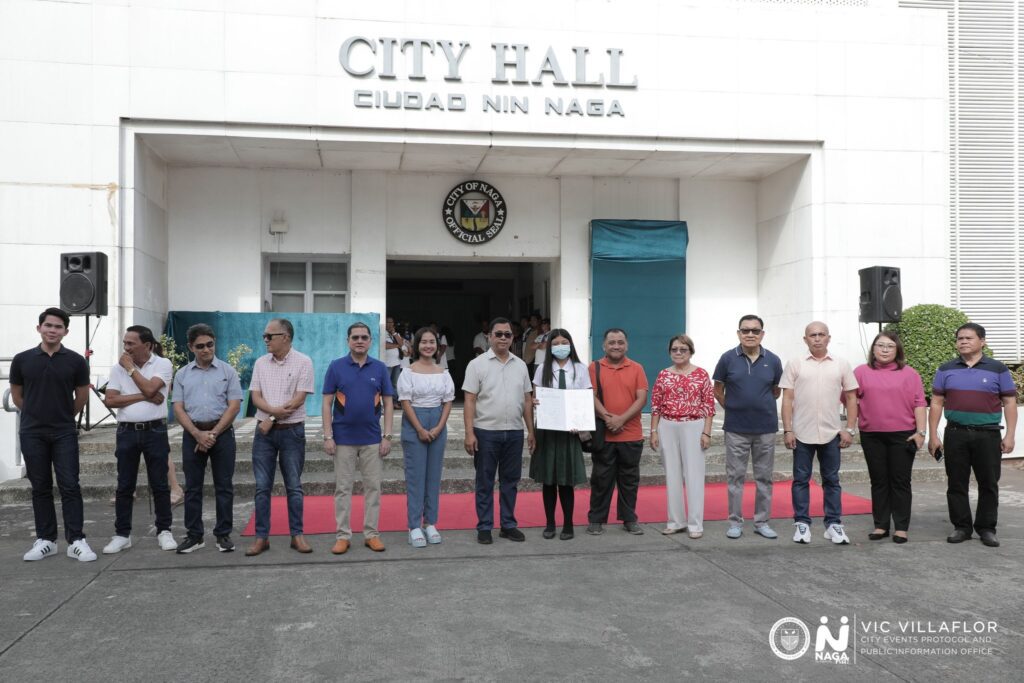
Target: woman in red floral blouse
x,y
682,405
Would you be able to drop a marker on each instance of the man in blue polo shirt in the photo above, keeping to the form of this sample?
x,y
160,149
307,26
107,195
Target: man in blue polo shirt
x,y
747,385
50,385
357,391
972,390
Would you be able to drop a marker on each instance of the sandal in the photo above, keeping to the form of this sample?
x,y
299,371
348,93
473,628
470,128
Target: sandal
x,y
416,539
432,536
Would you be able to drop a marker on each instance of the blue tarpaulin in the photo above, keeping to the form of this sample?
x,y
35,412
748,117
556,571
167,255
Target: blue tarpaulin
x,y
638,283
321,336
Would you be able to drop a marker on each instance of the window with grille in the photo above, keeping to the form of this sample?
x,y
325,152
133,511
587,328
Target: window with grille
x,y
306,286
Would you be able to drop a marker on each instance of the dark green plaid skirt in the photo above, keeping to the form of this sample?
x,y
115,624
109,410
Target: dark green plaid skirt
x,y
558,460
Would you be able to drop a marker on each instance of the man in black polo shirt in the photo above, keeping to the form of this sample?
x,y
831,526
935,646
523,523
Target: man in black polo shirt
x,y
50,385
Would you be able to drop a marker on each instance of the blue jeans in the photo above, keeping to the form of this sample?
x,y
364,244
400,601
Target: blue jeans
x,y
803,465
222,468
289,447
423,464
47,455
498,452
151,444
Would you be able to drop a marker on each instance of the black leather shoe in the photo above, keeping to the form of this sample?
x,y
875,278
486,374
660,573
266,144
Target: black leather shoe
x,y
514,534
899,539
875,536
567,533
549,532
989,538
484,537
958,536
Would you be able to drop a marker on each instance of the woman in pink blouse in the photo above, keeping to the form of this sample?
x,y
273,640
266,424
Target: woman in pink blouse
x,y
892,430
682,404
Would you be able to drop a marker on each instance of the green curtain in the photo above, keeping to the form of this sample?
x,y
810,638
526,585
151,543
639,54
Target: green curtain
x,y
321,336
638,283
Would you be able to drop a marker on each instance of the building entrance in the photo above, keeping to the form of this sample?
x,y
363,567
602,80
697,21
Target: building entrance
x,y
458,297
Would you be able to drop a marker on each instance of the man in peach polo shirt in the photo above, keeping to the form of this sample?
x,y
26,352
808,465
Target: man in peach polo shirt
x,y
811,388
623,389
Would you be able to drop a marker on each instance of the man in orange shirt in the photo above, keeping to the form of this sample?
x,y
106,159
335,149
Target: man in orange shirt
x,y
623,392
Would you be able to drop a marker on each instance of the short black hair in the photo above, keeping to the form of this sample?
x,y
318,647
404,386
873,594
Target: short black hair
x,y
612,330
356,325
498,321
975,327
199,330
146,337
56,313
751,316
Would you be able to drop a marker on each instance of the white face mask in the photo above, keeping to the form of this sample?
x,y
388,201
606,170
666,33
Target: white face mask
x,y
561,351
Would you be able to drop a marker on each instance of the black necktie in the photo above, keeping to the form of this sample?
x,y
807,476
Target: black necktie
x,y
561,378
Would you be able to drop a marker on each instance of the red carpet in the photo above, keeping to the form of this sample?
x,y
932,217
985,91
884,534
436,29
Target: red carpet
x,y
458,510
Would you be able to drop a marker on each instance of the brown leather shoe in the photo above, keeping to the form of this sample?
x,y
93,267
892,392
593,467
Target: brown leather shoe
x,y
340,546
257,547
299,543
374,544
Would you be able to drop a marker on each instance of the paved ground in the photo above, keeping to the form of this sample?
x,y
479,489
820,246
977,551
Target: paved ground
x,y
594,608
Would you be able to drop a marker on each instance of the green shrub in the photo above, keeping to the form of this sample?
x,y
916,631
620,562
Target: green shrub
x,y
1018,379
928,333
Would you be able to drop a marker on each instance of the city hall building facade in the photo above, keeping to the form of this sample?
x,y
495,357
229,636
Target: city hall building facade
x,y
301,156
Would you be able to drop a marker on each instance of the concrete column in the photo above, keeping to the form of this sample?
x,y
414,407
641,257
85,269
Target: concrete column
x,y
368,268
570,280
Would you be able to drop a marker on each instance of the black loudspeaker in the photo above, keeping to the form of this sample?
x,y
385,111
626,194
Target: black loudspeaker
x,y
83,283
881,300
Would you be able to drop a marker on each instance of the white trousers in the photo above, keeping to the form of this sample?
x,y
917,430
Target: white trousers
x,y
684,468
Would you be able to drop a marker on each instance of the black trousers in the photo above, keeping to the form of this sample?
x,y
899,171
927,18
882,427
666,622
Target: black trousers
x,y
222,466
618,463
132,445
976,451
889,465
47,455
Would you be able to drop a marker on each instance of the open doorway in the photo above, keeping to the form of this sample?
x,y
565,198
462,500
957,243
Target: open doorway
x,y
459,296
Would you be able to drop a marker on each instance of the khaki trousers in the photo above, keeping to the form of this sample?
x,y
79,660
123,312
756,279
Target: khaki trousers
x,y
368,461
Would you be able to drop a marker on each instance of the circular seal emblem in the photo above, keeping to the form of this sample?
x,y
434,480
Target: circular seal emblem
x,y
474,212
789,638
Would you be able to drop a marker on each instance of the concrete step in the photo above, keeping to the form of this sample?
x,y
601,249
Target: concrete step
x,y
318,461
458,477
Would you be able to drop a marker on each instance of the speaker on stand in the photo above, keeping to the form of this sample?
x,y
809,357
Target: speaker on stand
x,y
83,292
881,299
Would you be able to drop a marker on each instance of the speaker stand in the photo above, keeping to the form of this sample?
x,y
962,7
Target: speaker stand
x,y
88,366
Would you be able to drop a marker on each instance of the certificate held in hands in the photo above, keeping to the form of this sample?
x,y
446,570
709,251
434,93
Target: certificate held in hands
x,y
563,410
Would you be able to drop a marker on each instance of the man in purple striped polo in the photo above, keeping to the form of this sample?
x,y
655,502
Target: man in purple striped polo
x,y
973,390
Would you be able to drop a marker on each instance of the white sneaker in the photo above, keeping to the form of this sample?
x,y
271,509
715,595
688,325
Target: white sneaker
x,y
81,551
837,534
166,541
803,533
117,544
40,549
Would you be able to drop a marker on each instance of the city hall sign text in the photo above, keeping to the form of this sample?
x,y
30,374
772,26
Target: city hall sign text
x,y
514,65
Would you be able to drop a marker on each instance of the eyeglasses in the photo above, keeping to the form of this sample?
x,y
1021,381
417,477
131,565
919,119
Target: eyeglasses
x,y
885,347
680,349
360,337
200,347
267,336
502,335
750,330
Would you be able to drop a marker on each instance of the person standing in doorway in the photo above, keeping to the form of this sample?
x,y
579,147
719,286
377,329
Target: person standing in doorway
x,y
498,406
620,386
394,350
281,381
50,385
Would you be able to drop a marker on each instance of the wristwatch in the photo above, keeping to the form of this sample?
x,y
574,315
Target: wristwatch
x,y
922,434
851,431
388,437
273,419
